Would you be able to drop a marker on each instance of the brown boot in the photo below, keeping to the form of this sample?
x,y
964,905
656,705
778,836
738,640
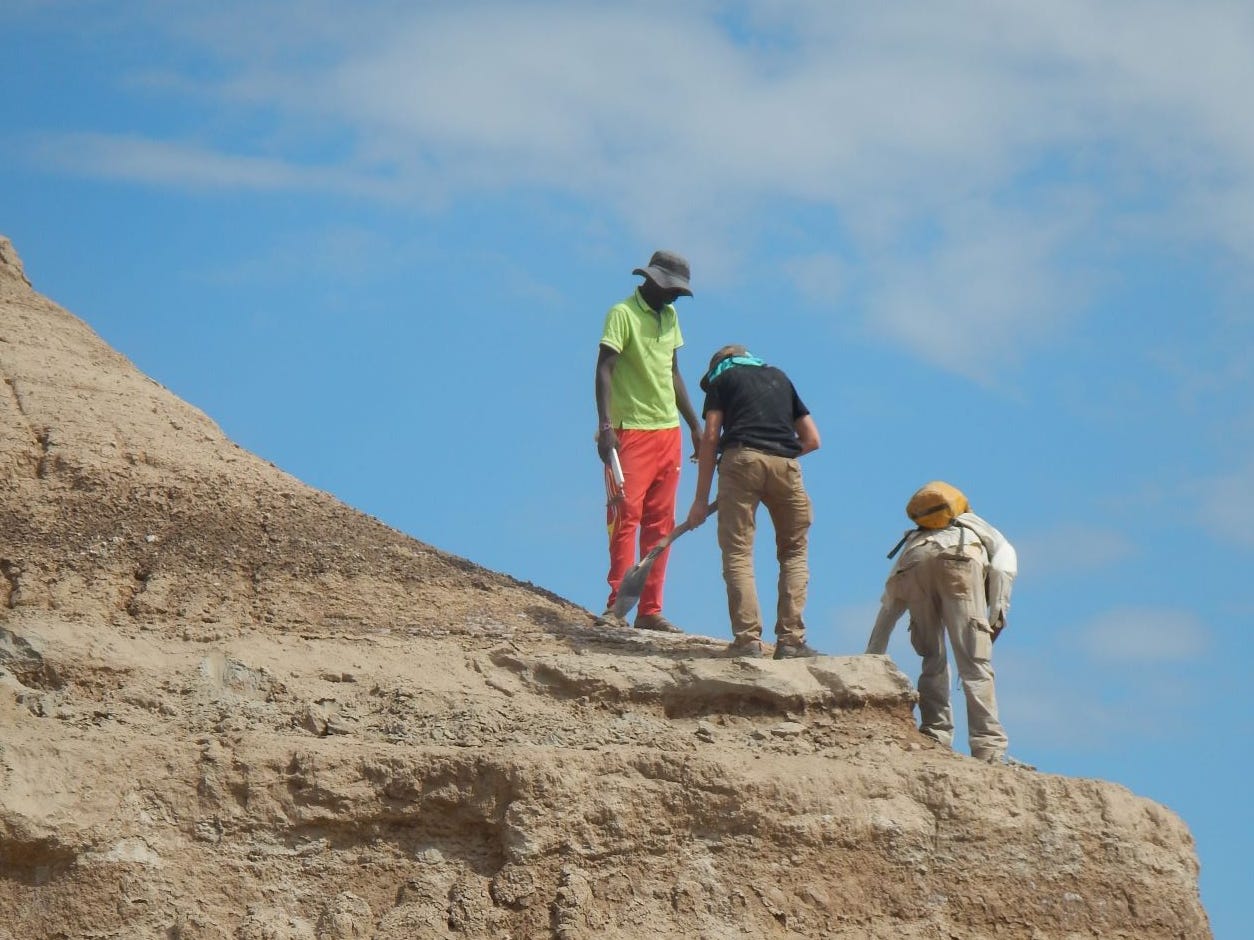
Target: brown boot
x,y
656,622
611,619
749,649
794,651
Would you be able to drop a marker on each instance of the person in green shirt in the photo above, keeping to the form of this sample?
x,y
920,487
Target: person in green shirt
x,y
640,396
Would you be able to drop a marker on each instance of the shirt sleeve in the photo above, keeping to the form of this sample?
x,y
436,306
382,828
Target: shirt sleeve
x,y
1003,564
617,331
1001,554
891,609
799,409
679,336
713,401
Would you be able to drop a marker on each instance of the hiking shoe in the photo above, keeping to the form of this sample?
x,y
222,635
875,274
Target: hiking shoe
x,y
656,622
751,649
794,651
1005,760
611,619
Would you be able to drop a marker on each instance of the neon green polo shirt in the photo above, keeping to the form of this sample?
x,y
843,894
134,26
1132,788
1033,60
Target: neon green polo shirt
x,y
642,392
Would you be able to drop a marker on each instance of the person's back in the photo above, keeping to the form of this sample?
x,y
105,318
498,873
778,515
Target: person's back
x,y
759,425
760,408
941,577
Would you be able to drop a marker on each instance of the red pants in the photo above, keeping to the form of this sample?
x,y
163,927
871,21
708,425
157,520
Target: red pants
x,y
650,462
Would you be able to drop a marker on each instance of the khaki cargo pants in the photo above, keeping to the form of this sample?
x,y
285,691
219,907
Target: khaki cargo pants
x,y
746,478
944,590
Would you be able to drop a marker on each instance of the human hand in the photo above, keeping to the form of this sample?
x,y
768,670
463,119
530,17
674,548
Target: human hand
x,y
607,441
696,444
697,514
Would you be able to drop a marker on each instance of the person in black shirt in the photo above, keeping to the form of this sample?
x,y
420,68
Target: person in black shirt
x,y
756,427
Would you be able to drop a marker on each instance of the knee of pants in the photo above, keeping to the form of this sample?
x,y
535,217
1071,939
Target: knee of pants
x,y
792,549
928,642
735,536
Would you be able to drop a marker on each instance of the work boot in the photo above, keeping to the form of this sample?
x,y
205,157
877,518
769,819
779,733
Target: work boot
x,y
611,619
656,622
749,649
794,651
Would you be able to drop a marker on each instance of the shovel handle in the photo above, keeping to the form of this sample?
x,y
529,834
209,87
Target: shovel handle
x,y
674,534
630,587
683,527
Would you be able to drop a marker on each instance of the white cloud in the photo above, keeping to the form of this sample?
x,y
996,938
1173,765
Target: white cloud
x,y
1048,701
1047,695
1127,673
137,159
1144,635
820,277
1072,548
990,285
862,109
1224,506
963,151
344,254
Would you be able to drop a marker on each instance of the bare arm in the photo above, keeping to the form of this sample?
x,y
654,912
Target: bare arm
x,y
607,440
686,410
807,434
707,457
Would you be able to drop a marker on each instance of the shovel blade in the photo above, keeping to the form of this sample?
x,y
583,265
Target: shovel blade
x,y
632,585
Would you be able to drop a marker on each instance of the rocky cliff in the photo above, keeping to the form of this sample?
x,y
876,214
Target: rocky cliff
x,y
233,707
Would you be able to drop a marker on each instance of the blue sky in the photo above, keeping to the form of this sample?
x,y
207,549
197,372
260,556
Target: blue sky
x,y
1003,244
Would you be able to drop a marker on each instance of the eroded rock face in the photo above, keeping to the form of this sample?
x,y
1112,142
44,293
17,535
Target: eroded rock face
x,y
11,265
234,708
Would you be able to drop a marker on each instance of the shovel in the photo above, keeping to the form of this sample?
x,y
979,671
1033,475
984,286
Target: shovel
x,y
632,585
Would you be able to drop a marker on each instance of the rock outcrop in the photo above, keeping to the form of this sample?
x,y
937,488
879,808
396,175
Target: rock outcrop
x,y
236,708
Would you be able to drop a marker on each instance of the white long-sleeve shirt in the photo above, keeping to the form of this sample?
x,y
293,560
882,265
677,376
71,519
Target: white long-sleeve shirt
x,y
1001,567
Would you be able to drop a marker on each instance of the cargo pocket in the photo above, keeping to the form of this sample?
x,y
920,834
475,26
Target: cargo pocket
x,y
981,640
956,573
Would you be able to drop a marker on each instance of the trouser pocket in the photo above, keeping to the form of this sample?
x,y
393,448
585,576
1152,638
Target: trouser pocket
x,y
978,638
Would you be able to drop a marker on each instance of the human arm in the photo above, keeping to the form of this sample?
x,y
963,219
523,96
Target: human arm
x,y
607,440
891,609
1000,573
707,456
807,435
686,411
803,424
999,581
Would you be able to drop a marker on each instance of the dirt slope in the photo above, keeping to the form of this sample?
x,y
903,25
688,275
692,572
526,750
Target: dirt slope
x,y
232,707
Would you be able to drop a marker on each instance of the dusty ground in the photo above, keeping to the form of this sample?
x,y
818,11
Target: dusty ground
x,y
232,707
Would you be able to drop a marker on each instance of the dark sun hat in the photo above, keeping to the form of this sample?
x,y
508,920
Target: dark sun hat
x,y
668,271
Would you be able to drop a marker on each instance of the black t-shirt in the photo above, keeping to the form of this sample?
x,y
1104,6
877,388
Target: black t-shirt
x,y
760,408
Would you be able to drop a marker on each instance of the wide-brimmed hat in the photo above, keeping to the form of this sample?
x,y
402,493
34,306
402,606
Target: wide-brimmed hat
x,y
668,271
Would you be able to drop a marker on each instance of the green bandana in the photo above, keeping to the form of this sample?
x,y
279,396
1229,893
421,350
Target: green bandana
x,y
730,362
